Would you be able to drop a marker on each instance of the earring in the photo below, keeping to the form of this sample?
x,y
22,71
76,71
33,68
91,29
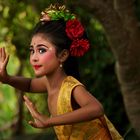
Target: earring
x,y
60,65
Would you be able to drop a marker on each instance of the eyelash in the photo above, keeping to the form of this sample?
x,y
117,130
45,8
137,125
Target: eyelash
x,y
40,50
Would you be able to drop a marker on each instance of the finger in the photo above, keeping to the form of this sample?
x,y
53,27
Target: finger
x,y
31,107
32,124
3,54
27,99
0,52
32,110
29,103
6,60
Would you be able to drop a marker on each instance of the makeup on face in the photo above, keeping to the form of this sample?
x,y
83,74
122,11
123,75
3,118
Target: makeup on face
x,y
42,55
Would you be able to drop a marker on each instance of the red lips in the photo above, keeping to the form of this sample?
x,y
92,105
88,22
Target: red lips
x,y
37,66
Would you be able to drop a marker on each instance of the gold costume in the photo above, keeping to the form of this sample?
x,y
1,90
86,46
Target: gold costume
x,y
97,129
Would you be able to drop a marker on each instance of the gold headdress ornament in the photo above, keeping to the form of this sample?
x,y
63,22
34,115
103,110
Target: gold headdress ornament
x,y
56,12
74,28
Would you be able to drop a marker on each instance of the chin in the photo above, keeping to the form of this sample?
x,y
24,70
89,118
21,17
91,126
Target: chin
x,y
39,74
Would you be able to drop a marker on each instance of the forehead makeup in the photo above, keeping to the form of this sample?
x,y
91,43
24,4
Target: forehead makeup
x,y
38,45
41,40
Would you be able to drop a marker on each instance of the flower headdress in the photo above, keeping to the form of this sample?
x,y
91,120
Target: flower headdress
x,y
74,28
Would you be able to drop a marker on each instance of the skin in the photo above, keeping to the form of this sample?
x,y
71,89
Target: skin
x,y
3,63
46,66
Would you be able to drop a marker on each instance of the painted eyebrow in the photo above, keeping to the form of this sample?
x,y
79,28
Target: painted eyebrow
x,y
39,45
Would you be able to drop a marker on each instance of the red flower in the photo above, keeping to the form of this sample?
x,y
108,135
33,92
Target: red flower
x,y
74,29
79,47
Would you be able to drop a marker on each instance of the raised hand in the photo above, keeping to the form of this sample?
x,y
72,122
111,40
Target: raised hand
x,y
3,63
40,121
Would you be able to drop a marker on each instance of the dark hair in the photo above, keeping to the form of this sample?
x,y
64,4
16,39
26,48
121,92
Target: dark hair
x,y
55,31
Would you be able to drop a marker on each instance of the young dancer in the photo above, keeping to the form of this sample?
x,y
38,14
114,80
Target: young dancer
x,y
57,40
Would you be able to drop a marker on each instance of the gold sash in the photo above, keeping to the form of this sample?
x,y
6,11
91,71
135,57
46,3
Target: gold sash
x,y
97,129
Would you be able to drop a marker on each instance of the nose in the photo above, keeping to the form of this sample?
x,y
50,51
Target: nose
x,y
34,57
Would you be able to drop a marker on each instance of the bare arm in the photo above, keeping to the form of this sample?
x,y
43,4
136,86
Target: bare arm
x,y
27,84
89,109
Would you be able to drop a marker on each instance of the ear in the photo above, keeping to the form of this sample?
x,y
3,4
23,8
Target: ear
x,y
63,55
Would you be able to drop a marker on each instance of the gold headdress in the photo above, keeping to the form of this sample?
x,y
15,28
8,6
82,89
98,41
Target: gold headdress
x,y
74,28
56,12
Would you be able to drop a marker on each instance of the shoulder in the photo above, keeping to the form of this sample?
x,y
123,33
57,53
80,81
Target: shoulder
x,y
69,84
83,97
75,85
72,80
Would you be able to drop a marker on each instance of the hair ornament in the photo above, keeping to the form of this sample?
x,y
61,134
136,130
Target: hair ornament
x,y
56,12
74,29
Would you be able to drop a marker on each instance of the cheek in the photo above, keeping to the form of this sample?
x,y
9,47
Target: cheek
x,y
48,57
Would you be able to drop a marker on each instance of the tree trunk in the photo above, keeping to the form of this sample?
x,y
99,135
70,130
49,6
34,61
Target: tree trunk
x,y
18,129
123,34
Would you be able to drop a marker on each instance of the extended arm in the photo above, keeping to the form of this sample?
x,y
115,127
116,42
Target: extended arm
x,y
27,84
89,109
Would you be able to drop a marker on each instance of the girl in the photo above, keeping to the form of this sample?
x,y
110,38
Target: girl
x,y
75,114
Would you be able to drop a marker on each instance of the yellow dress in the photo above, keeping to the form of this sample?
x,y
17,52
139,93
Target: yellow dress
x,y
97,129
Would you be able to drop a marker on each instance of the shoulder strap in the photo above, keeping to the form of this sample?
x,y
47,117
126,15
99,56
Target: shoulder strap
x,y
64,98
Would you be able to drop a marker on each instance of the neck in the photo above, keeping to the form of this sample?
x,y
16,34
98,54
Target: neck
x,y
54,81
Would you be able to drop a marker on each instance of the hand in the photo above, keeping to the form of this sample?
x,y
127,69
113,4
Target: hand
x,y
40,121
3,63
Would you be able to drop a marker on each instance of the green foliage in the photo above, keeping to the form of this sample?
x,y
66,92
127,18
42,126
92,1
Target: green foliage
x,y
17,21
8,101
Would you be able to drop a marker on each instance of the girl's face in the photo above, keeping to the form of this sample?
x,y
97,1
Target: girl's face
x,y
43,55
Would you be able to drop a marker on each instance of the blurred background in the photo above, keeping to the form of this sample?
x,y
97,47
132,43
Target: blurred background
x,y
97,68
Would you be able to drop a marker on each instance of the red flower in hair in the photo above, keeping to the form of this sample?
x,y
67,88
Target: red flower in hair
x,y
79,47
74,29
75,32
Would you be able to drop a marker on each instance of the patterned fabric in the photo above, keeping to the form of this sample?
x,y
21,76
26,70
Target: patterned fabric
x,y
97,129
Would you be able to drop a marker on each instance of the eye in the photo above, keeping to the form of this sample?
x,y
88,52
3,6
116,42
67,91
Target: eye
x,y
31,51
42,50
